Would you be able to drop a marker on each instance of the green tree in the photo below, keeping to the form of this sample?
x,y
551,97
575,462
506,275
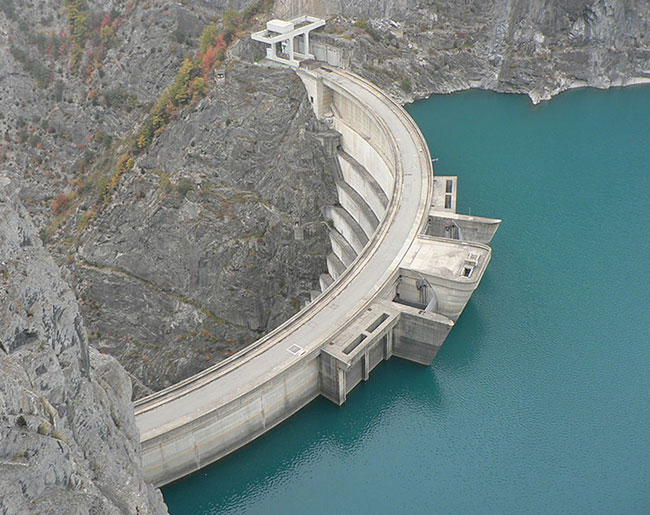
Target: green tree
x,y
209,37
180,89
107,36
406,85
77,13
231,22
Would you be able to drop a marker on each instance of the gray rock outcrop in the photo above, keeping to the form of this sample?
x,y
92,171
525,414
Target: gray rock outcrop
x,y
196,256
68,441
536,47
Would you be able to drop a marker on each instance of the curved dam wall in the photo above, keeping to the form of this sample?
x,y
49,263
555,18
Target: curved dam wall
x,y
367,159
378,298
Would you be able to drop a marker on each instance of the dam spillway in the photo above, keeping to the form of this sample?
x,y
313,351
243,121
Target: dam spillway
x,y
399,276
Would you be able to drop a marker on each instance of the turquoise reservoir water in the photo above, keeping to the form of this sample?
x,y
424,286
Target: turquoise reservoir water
x,y
539,401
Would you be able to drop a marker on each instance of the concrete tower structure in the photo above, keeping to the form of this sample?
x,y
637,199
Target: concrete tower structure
x,y
281,37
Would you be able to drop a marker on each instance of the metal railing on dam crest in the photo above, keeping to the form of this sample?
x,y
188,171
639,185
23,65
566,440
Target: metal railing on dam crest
x,y
398,278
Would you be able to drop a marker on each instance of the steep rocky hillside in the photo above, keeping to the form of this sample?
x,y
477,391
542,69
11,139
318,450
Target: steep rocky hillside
x,y
71,89
169,197
414,48
68,441
195,256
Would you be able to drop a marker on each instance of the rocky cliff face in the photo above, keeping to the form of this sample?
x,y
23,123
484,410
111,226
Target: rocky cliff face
x,y
192,255
196,255
66,99
72,91
68,441
537,47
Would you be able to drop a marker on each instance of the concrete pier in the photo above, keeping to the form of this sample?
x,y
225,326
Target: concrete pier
x,y
399,277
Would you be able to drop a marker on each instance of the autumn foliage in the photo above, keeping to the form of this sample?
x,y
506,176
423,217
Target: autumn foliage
x,y
60,203
190,83
207,62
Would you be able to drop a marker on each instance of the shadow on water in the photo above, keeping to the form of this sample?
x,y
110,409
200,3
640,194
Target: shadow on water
x,y
460,349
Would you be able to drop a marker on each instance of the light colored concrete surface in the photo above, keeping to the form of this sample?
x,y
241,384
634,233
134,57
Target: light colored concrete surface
x,y
437,267
342,250
325,281
358,208
347,225
366,154
444,224
213,413
292,36
444,188
335,266
363,183
445,259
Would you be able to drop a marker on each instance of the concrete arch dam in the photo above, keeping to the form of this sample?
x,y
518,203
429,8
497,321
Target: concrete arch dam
x,y
399,277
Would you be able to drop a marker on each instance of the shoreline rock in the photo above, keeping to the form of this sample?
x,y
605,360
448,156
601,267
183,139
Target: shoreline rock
x,y
540,48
